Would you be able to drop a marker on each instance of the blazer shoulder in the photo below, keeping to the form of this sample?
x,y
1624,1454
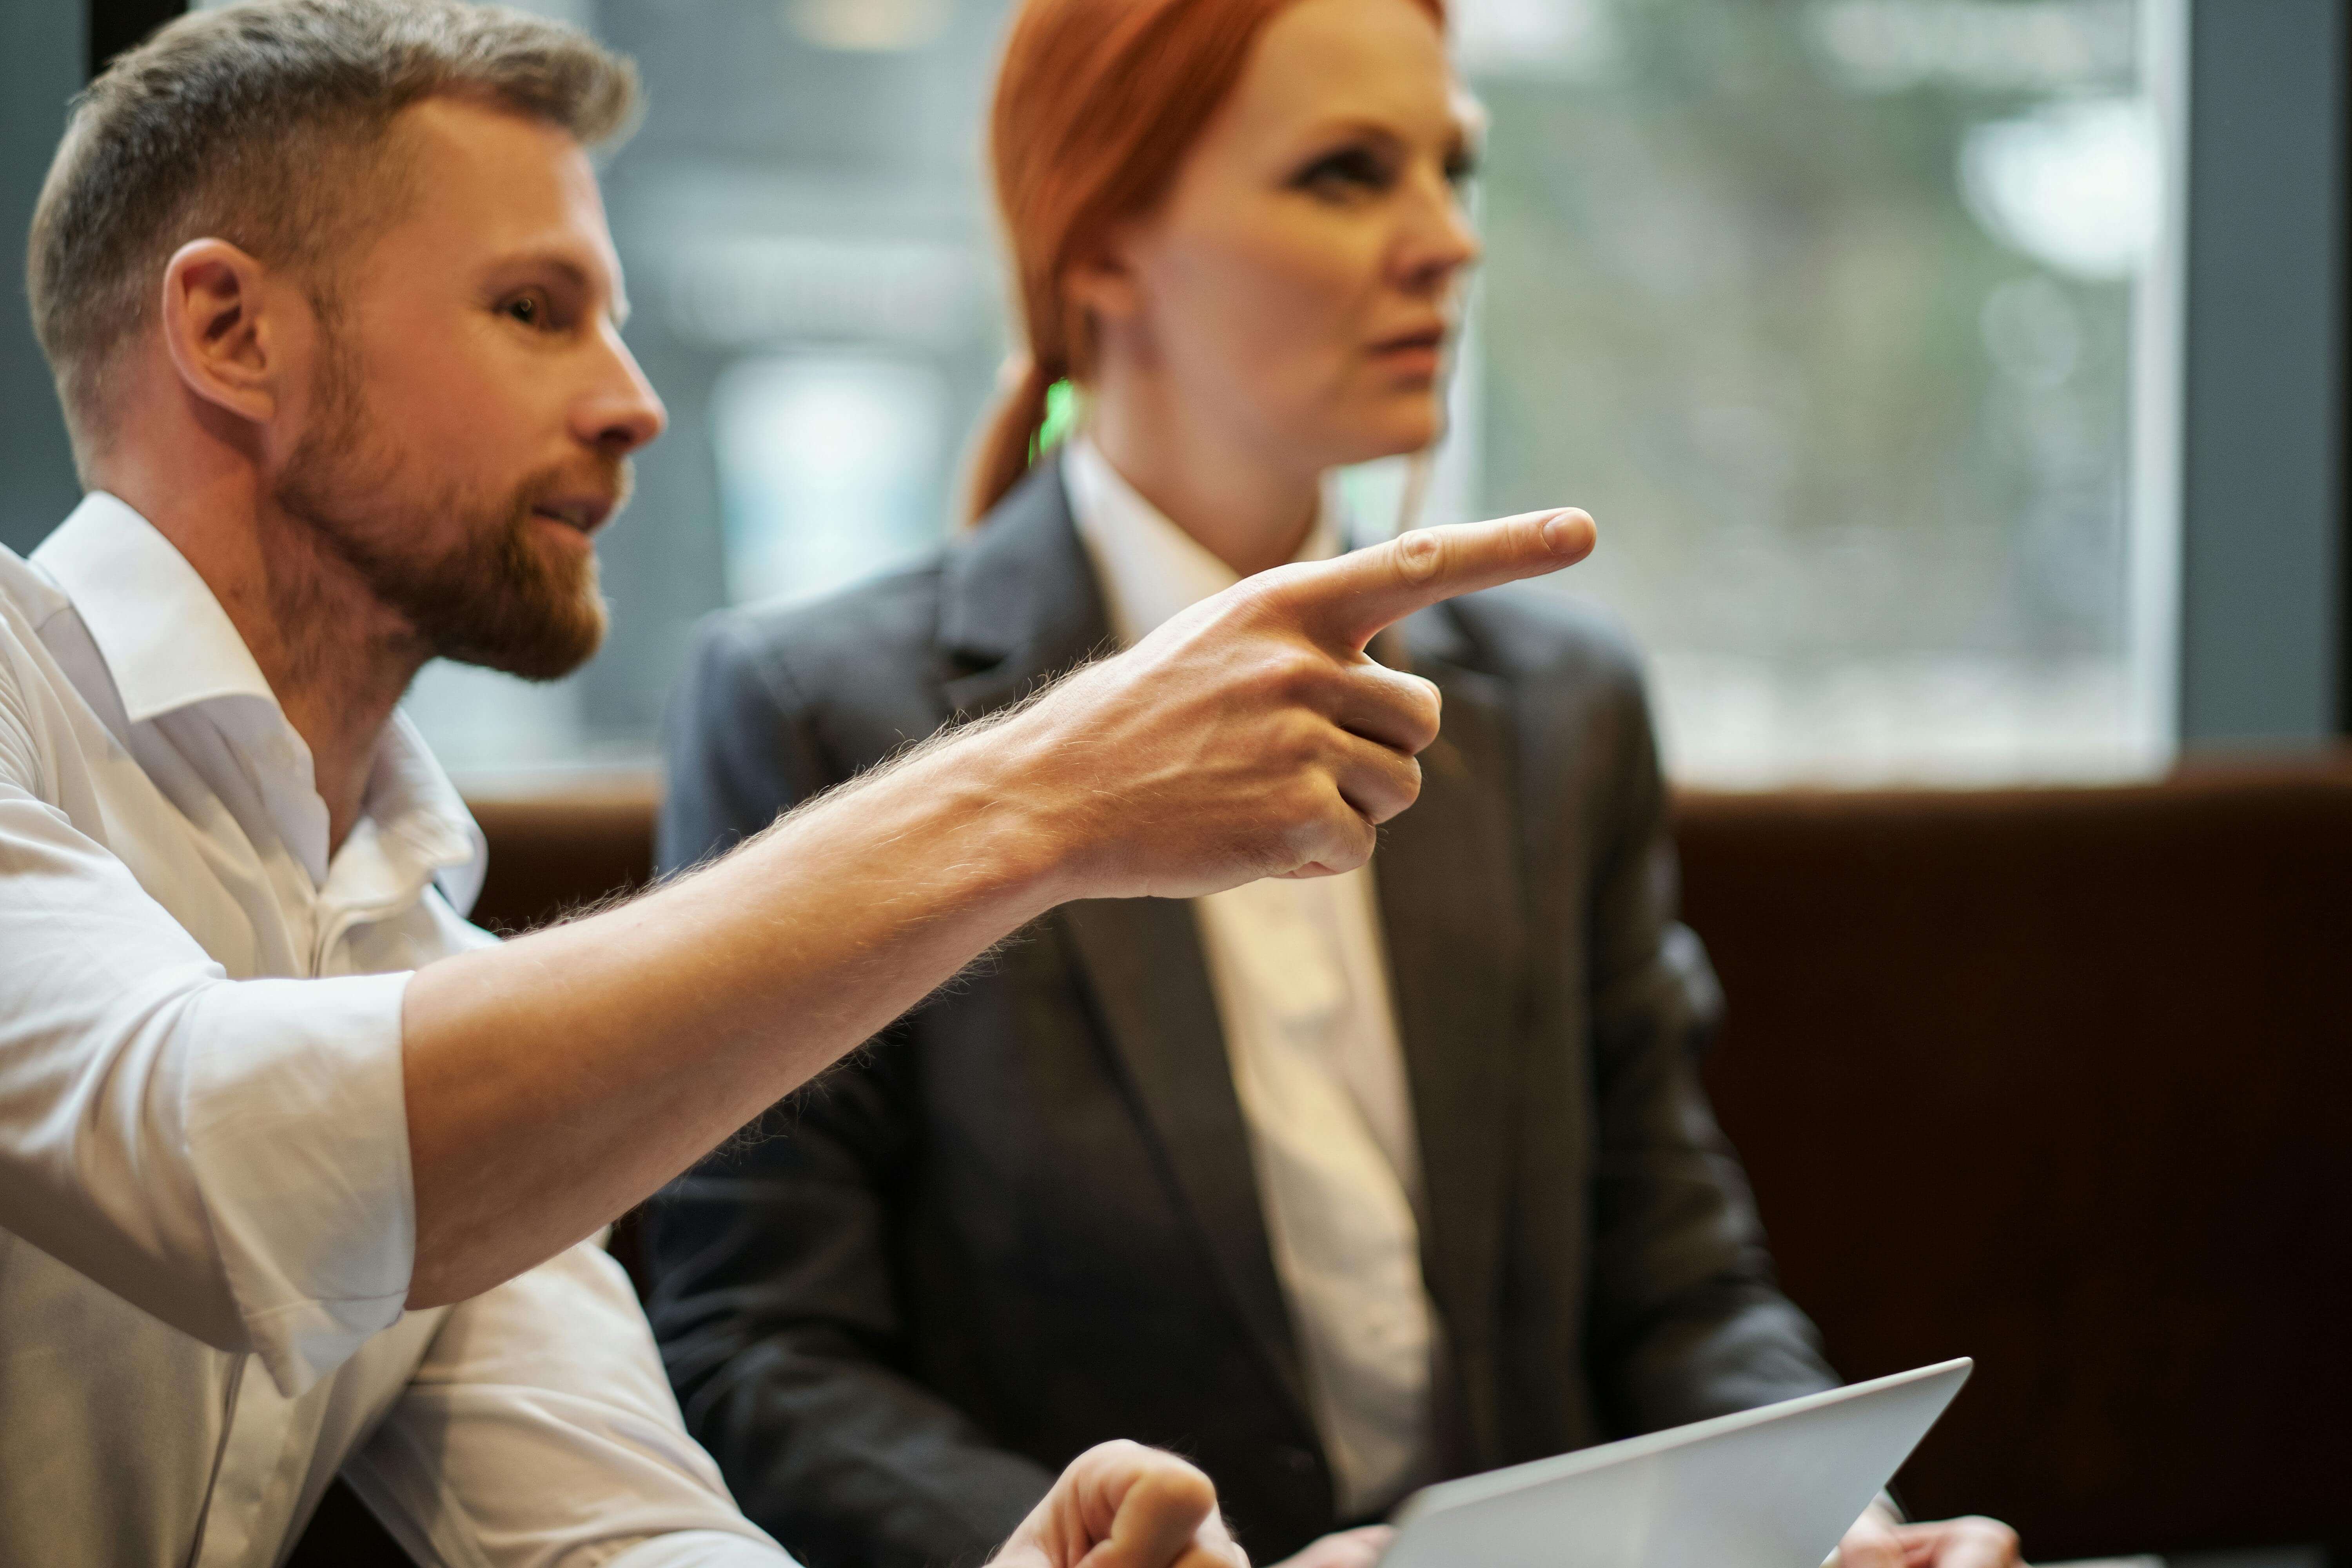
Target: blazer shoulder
x,y
877,635
1532,635
1567,685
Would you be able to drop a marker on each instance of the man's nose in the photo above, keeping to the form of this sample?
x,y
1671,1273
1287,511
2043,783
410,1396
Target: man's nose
x,y
624,413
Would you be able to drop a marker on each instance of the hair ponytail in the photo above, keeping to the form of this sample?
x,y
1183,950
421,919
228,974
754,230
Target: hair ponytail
x,y
1008,439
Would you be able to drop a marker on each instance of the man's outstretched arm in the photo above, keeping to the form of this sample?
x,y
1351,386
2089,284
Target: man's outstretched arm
x,y
555,1081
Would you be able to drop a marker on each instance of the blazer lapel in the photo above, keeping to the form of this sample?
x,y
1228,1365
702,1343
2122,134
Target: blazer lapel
x,y
1151,986
1021,606
1450,905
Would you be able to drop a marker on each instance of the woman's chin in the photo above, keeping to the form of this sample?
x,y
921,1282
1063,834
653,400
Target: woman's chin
x,y
1396,433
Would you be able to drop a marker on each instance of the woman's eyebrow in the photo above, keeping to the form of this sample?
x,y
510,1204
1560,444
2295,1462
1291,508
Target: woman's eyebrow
x,y
1341,129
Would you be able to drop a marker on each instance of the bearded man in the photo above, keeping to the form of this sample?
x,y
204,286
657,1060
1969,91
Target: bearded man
x,y
300,1173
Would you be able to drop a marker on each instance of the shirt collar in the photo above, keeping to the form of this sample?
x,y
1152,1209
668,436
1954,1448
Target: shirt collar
x,y
419,827
169,646
165,640
1149,569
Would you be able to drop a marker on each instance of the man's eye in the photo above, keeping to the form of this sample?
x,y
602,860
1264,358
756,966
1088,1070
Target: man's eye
x,y
528,309
1461,169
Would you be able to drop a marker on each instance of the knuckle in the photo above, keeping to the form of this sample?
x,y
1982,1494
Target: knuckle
x,y
1304,667
1418,555
1298,739
1294,673
1429,707
1401,787
1264,595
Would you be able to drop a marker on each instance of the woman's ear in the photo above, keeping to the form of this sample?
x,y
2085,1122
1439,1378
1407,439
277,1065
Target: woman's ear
x,y
222,342
1104,286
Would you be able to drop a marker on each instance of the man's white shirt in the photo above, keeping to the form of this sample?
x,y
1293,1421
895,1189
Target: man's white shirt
x,y
1300,974
206,1216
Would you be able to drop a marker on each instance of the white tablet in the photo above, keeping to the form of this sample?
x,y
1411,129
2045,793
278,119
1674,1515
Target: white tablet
x,y
1776,1487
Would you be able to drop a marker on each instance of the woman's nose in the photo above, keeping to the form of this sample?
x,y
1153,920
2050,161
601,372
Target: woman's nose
x,y
1439,241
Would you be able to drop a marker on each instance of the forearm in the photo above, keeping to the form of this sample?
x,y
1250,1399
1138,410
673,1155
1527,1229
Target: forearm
x,y
554,1082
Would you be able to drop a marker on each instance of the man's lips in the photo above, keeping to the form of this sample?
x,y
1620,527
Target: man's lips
x,y
582,514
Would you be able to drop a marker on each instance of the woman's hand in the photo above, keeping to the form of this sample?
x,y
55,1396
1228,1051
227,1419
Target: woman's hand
x,y
1876,1540
1122,1505
1357,1548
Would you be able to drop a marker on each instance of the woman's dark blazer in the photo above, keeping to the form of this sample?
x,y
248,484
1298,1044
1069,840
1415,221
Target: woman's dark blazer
x,y
1025,1220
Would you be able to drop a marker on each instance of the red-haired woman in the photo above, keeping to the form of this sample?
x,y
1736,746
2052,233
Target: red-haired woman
x,y
1337,1186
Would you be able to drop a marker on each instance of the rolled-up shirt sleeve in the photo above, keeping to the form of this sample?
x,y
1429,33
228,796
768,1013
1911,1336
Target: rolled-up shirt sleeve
x,y
540,1430
230,1156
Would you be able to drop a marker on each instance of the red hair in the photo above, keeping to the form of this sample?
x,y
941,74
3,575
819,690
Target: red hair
x,y
1097,102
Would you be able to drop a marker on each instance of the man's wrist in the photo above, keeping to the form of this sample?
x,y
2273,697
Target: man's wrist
x,y
994,815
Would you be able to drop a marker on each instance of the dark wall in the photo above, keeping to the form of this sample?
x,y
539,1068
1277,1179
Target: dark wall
x,y
2262,572
42,44
117,25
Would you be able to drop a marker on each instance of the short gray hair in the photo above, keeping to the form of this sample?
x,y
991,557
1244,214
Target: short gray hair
x,y
254,125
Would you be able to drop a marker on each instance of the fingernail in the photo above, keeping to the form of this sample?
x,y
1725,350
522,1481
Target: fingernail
x,y
1567,531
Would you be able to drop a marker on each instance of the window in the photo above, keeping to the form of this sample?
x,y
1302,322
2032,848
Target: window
x,y
1827,310
1845,317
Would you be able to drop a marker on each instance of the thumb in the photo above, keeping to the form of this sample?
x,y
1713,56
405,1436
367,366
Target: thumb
x,y
1122,1505
1869,1544
1158,1512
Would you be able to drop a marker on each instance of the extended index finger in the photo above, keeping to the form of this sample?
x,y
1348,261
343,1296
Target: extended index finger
x,y
1349,599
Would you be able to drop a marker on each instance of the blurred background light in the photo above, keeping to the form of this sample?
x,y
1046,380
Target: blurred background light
x,y
868,25
1981,46
821,457
2076,186
1554,38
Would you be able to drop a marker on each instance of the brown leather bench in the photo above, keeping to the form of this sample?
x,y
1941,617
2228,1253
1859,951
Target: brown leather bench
x,y
2057,1079
2063,1080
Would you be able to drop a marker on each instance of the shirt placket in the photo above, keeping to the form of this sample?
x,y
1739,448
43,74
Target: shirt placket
x,y
244,1513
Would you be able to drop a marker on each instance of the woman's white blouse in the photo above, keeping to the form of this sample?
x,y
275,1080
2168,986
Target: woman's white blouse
x,y
1300,973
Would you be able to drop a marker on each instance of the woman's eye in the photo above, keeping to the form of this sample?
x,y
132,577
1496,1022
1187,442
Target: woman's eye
x,y
531,309
1352,172
1461,169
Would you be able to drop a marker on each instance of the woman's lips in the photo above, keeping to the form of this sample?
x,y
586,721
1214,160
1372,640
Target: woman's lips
x,y
1410,353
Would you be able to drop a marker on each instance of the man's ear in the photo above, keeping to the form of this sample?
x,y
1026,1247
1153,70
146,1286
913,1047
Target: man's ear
x,y
223,342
